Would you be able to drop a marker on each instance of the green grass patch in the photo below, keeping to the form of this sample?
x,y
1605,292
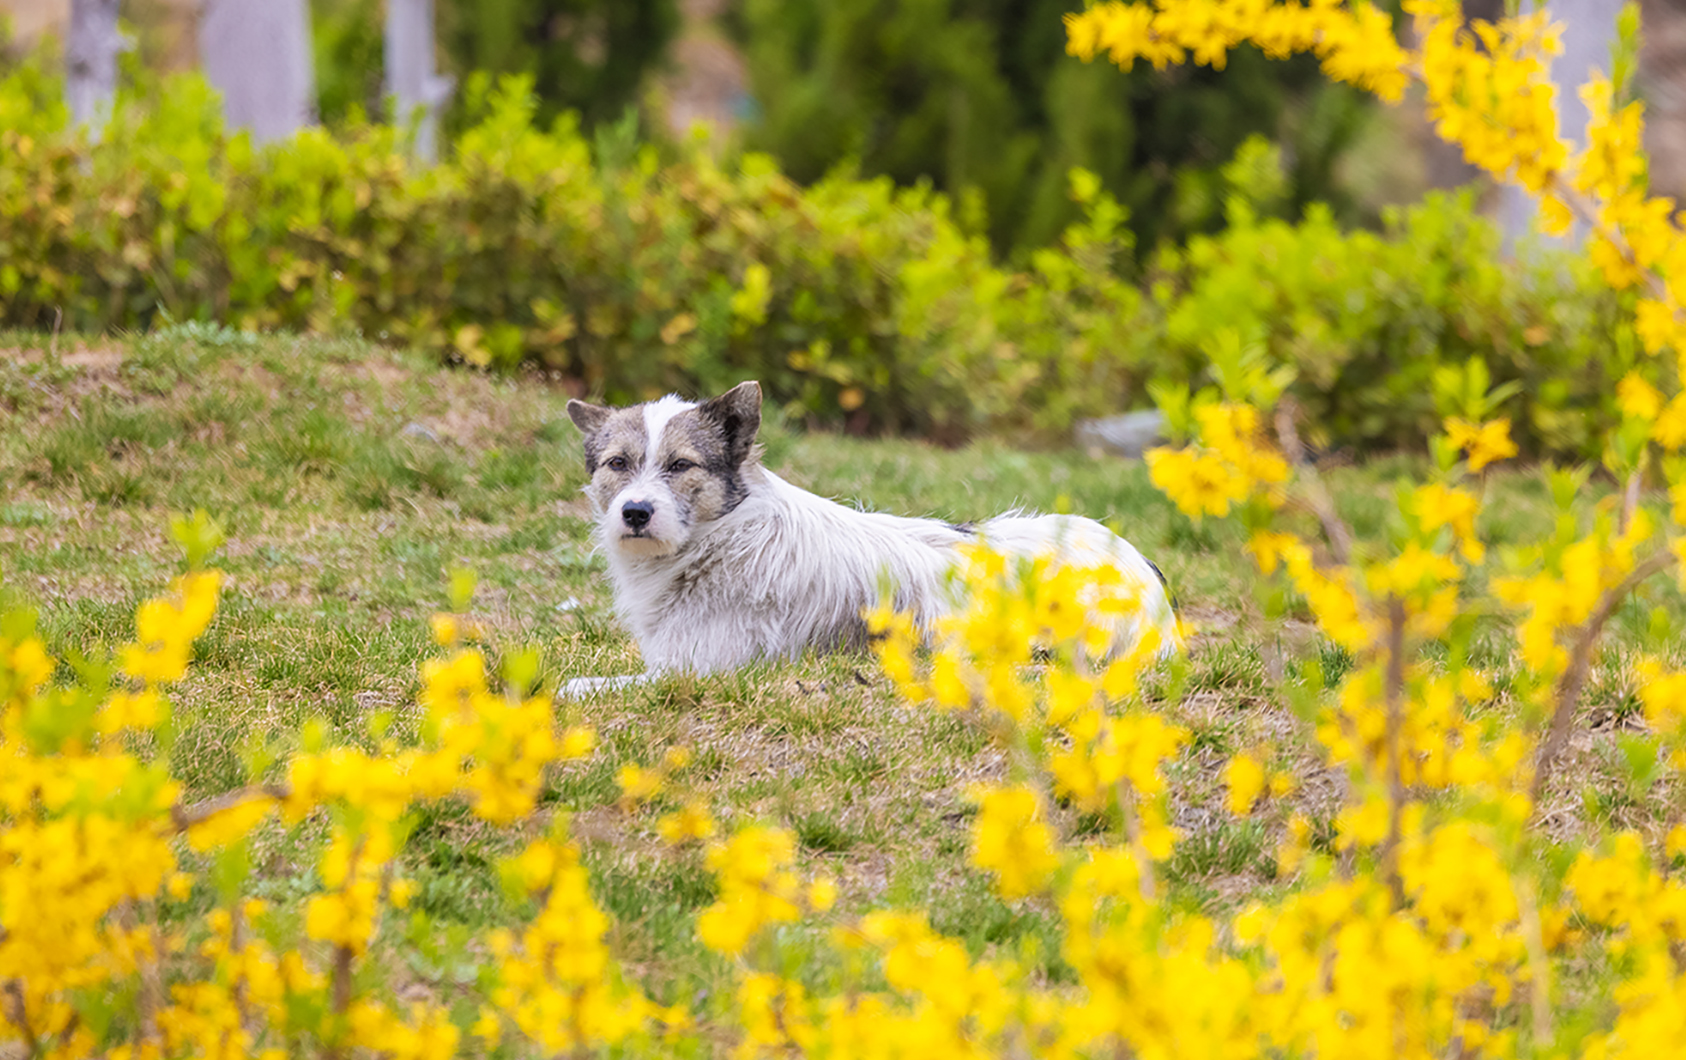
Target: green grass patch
x,y
345,511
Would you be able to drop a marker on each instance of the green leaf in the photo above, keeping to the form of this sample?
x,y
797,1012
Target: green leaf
x,y
521,670
1642,761
461,591
231,869
198,535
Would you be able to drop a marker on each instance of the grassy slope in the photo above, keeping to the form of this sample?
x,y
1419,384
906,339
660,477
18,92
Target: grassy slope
x,y
351,480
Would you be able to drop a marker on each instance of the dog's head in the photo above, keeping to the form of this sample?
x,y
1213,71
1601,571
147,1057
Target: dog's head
x,y
662,469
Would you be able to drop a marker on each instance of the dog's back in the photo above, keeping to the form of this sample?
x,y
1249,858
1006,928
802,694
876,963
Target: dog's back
x,y
1076,541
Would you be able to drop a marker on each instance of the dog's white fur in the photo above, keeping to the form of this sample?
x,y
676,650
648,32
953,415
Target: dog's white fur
x,y
783,569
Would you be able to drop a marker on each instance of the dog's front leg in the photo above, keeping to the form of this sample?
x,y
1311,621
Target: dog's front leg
x,y
581,687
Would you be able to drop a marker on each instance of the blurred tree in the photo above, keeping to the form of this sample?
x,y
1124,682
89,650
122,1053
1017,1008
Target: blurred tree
x,y
90,59
417,92
590,56
1662,84
979,94
257,53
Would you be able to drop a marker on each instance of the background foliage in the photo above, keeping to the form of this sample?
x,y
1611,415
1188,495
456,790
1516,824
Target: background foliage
x,y
855,302
586,56
976,97
979,97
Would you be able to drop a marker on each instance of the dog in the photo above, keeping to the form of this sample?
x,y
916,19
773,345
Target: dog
x,y
717,562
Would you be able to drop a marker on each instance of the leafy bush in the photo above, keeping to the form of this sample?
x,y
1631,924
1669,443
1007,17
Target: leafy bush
x,y
1366,320
853,301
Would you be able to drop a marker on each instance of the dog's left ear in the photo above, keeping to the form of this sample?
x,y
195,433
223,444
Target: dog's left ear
x,y
738,412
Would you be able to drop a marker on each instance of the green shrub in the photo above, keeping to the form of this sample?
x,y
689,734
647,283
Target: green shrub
x,y
1368,319
854,302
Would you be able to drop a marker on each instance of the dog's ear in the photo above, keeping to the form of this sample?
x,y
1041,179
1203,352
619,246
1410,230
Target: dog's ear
x,y
738,413
586,416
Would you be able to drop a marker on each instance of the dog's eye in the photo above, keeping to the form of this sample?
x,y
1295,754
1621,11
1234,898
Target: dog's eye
x,y
615,463
679,465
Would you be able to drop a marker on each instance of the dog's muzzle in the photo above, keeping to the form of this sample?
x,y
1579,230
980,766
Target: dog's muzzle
x,y
636,515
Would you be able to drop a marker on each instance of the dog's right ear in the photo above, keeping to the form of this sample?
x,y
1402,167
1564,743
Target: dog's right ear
x,y
586,416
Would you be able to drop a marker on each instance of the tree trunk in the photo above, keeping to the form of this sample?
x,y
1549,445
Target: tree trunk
x,y
417,91
90,54
257,54
1662,85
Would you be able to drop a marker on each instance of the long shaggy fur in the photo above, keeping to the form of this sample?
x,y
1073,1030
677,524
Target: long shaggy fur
x,y
718,562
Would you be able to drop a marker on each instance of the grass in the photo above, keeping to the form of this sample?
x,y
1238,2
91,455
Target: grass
x,y
352,479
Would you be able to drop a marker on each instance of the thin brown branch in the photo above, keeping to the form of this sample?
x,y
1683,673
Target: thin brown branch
x,y
151,994
1583,206
146,1002
236,943
1133,832
1630,500
1317,495
18,1016
1569,686
1539,965
1395,733
186,815
342,978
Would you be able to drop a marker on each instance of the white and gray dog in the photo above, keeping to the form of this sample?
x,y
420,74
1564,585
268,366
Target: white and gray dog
x,y
718,562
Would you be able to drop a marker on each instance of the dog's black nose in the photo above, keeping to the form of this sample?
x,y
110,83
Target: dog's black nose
x,y
636,514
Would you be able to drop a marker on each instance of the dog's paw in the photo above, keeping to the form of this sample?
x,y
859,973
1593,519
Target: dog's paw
x,y
582,687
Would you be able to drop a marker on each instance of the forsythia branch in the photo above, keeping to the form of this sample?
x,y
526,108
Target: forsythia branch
x,y
1395,724
186,815
1584,208
1580,660
1317,495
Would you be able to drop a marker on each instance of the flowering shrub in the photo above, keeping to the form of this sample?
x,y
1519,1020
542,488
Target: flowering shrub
x,y
1432,916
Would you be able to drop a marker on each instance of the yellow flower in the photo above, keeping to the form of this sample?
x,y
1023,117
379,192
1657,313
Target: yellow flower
x,y
578,741
1440,506
1657,324
445,629
167,627
488,1028
822,894
1198,483
31,664
1413,573
1638,398
1269,547
757,887
400,893
1010,840
636,782
231,824
1674,844
1245,779
1670,429
1474,687
692,821
1485,443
